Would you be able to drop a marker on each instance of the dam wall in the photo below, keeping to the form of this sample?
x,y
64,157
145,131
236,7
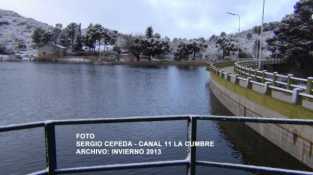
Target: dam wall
x,y
244,99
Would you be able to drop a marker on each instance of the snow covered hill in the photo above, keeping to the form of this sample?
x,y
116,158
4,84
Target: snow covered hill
x,y
15,33
247,41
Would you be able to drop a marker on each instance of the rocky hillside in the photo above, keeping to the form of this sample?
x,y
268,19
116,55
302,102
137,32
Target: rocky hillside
x,y
247,41
15,33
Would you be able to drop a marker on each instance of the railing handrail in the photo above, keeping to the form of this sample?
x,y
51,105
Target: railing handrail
x,y
287,79
102,120
190,161
15,127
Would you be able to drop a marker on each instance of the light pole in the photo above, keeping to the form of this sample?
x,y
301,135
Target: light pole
x,y
260,55
239,27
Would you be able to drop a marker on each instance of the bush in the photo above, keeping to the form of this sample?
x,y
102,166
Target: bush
x,y
20,44
2,49
249,36
5,51
257,29
243,54
4,23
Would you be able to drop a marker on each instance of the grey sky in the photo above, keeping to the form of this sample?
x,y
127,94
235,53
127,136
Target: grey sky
x,y
173,18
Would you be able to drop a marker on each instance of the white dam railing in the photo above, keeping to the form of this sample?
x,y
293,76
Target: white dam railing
x,y
247,68
287,88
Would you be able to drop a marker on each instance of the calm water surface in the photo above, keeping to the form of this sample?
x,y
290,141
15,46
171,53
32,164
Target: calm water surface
x,y
34,92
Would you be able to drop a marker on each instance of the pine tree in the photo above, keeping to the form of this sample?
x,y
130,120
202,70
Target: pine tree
x,y
183,51
135,45
98,31
89,39
226,44
41,37
56,33
149,32
78,40
37,37
64,39
71,32
293,38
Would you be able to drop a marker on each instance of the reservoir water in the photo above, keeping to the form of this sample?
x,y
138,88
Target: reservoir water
x,y
34,92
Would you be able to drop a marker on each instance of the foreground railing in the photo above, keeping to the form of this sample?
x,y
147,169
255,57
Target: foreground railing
x,y
190,161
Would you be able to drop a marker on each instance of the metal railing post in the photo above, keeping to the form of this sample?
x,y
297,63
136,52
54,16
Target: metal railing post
x,y
228,76
192,136
309,85
50,147
249,83
274,78
236,79
289,81
263,76
267,88
220,73
249,72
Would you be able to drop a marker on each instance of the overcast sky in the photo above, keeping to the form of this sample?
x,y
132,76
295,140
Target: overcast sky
x,y
173,18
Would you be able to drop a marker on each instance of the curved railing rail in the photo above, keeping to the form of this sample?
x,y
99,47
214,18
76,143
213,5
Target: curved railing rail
x,y
285,88
190,161
248,69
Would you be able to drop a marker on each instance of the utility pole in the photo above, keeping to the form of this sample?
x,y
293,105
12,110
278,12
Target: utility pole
x,y
260,55
239,27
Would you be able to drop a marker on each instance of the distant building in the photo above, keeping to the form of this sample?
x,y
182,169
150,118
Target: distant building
x,y
51,51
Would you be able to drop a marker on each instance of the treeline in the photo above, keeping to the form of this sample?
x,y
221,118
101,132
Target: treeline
x,y
191,47
151,44
148,45
72,38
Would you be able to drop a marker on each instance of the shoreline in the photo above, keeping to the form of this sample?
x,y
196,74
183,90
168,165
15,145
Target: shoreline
x,y
131,63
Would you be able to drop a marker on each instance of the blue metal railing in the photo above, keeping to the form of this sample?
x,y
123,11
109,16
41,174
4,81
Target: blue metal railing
x,y
190,161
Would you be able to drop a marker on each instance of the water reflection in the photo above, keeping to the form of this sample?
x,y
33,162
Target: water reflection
x,y
31,92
